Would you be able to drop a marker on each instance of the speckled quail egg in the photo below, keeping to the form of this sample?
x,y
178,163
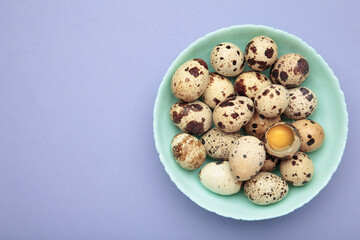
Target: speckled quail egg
x,y
217,143
258,125
312,135
271,101
190,80
232,113
297,170
246,157
260,53
217,177
290,70
218,89
248,83
194,118
282,140
270,163
227,59
302,103
188,151
266,188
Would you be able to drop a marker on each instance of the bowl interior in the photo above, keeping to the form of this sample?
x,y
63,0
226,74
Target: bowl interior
x,y
330,113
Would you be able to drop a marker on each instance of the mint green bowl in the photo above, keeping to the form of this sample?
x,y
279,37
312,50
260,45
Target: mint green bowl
x,y
330,113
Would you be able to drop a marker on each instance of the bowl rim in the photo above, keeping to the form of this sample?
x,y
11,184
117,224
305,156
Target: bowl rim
x,y
157,109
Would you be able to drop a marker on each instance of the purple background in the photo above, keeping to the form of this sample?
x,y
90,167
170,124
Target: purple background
x,y
78,81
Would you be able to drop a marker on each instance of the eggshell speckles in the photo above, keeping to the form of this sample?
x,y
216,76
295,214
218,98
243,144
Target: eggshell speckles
x,y
227,59
266,188
194,118
312,135
217,177
217,143
260,53
248,83
302,103
188,151
232,113
246,157
290,70
297,170
271,101
218,89
190,80
258,125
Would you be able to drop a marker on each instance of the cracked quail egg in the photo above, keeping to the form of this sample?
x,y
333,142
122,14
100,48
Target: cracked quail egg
x,y
282,140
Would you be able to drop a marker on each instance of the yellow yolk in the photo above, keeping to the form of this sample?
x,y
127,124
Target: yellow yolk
x,y
280,136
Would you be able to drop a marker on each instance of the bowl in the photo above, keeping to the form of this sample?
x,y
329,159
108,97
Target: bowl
x,y
331,114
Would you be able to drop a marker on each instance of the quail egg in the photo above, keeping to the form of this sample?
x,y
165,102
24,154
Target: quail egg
x,y
246,157
302,103
290,70
217,143
194,118
219,89
190,80
260,53
312,135
282,140
266,188
297,170
248,83
217,177
188,151
227,59
232,113
271,101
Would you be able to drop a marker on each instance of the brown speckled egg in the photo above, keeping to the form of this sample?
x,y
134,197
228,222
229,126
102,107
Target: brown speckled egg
x,y
258,125
217,177
302,103
312,135
188,151
217,143
260,53
290,70
246,157
232,113
194,118
248,83
266,188
190,80
270,163
271,101
219,89
227,59
297,170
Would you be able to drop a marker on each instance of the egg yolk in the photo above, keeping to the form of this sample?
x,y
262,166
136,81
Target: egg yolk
x,y
279,137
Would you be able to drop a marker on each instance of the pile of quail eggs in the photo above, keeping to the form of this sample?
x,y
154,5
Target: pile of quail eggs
x,y
215,109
